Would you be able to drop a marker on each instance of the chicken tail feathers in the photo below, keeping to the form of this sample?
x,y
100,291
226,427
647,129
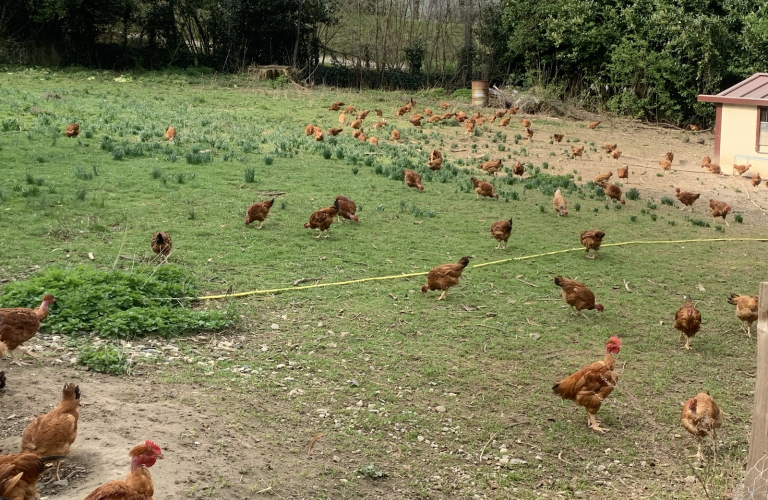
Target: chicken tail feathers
x,y
565,389
732,297
559,281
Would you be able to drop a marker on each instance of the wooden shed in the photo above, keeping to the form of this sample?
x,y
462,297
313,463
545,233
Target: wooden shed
x,y
741,125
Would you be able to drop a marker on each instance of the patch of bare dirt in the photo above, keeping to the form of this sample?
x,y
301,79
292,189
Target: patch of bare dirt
x,y
208,453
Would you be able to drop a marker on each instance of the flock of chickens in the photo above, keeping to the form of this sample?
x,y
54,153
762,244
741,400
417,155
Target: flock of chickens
x,y
48,438
591,385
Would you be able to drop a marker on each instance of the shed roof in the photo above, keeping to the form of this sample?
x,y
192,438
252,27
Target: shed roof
x,y
751,92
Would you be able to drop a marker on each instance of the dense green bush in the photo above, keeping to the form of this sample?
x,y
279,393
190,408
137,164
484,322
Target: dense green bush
x,y
644,58
115,304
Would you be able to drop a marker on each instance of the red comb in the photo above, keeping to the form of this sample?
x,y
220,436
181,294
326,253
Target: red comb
x,y
614,340
152,445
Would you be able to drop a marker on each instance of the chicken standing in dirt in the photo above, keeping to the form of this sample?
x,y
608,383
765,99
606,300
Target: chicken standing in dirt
x,y
518,168
591,385
445,276
322,219
746,310
137,485
162,245
347,208
502,230
741,168
688,321
592,239
19,324
491,166
577,295
258,212
623,173
559,204
719,209
54,432
701,417
600,178
686,198
483,188
19,474
612,191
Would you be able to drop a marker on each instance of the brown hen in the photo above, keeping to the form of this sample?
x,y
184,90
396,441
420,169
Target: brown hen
x,y
73,129
719,209
688,321
258,212
746,310
577,295
445,276
412,179
686,198
559,204
54,432
491,166
435,160
19,324
701,417
161,244
483,188
590,386
322,219
347,208
501,231
592,239
19,474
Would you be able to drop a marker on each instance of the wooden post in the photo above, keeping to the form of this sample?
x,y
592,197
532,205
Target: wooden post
x,y
756,482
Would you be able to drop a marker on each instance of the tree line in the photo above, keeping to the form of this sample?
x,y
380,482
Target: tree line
x,y
642,58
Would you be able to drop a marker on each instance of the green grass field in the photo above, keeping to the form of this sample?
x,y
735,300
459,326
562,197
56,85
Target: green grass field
x,y
419,388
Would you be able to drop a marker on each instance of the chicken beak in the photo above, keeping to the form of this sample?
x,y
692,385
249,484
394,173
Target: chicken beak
x,y
160,456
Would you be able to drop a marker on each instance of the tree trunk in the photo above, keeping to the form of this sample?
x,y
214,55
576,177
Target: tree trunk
x,y
298,37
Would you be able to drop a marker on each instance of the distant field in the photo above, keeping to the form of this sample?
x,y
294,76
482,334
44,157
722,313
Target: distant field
x,y
432,394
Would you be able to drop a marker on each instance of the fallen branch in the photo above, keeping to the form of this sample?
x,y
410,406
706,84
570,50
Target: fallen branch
x,y
523,281
312,442
304,280
493,436
626,285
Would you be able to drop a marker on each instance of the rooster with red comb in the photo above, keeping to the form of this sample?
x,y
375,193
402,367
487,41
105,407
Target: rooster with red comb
x,y
137,485
590,386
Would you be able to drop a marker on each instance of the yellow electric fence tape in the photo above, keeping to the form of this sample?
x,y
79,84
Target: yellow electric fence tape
x,y
495,262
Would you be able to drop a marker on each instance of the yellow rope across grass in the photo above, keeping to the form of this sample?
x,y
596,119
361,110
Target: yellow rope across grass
x,y
495,262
